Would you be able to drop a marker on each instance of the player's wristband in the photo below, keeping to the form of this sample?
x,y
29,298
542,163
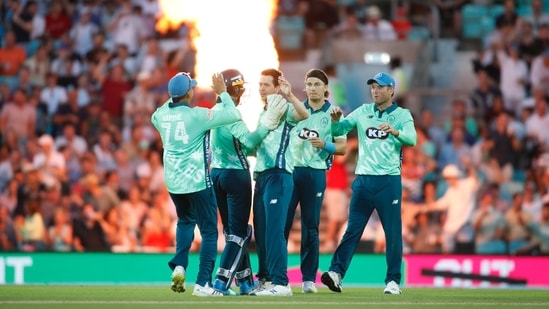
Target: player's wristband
x,y
329,147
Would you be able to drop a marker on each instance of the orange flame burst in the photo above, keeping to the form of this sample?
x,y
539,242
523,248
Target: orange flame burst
x,y
229,34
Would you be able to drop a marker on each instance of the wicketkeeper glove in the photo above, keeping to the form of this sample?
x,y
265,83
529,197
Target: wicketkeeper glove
x,y
276,107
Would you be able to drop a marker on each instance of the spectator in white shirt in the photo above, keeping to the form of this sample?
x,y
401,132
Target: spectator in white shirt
x,y
126,28
82,33
53,95
539,74
538,123
377,28
514,75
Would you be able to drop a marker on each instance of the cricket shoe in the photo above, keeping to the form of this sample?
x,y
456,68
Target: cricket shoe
x,y
246,288
276,290
392,288
178,279
205,291
221,286
332,280
309,287
261,285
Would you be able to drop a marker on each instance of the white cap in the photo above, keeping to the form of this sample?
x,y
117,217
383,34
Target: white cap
x,y
451,171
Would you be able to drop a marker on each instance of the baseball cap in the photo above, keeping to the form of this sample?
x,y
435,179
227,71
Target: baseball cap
x,y
180,84
451,171
383,79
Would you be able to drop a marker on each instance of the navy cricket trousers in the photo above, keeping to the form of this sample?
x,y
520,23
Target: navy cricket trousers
x,y
382,193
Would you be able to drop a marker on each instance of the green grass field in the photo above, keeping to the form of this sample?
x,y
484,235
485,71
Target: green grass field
x,y
120,297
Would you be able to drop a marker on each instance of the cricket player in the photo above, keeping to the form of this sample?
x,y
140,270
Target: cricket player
x,y
383,128
231,178
313,147
184,131
273,187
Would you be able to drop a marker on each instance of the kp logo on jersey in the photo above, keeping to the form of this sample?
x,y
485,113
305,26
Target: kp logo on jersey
x,y
375,133
306,133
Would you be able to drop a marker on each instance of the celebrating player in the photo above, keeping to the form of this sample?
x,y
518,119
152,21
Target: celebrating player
x,y
232,183
184,131
383,128
313,147
273,182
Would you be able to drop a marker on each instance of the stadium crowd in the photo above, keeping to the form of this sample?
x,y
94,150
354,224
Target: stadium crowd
x,y
81,166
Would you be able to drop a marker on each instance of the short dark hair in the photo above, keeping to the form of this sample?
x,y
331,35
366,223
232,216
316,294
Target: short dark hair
x,y
274,73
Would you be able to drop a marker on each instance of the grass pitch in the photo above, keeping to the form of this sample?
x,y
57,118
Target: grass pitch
x,y
121,297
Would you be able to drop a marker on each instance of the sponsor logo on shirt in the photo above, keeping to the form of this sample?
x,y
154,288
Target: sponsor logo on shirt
x,y
307,133
375,133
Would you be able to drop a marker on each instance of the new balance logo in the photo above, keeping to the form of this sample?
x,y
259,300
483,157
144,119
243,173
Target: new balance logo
x,y
394,202
273,201
319,194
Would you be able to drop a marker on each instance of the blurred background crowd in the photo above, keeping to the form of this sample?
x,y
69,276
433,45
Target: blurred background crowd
x,y
81,165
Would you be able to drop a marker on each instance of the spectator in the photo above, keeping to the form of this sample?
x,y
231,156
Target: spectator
x,y
57,21
113,90
377,28
125,169
28,24
60,233
99,196
458,202
489,226
514,77
117,232
454,150
509,14
39,66
121,56
126,28
450,10
66,65
18,116
401,79
401,24
31,230
153,56
537,124
68,113
8,234
349,28
539,244
12,58
88,233
69,138
517,220
49,162
53,95
426,235
139,100
503,148
484,94
529,44
104,151
539,73
8,196
134,210
82,33
537,17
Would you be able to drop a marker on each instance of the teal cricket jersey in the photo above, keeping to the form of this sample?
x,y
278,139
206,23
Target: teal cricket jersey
x,y
184,131
317,125
231,144
379,153
273,151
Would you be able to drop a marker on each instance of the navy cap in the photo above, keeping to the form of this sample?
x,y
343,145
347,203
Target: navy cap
x,y
180,84
383,79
